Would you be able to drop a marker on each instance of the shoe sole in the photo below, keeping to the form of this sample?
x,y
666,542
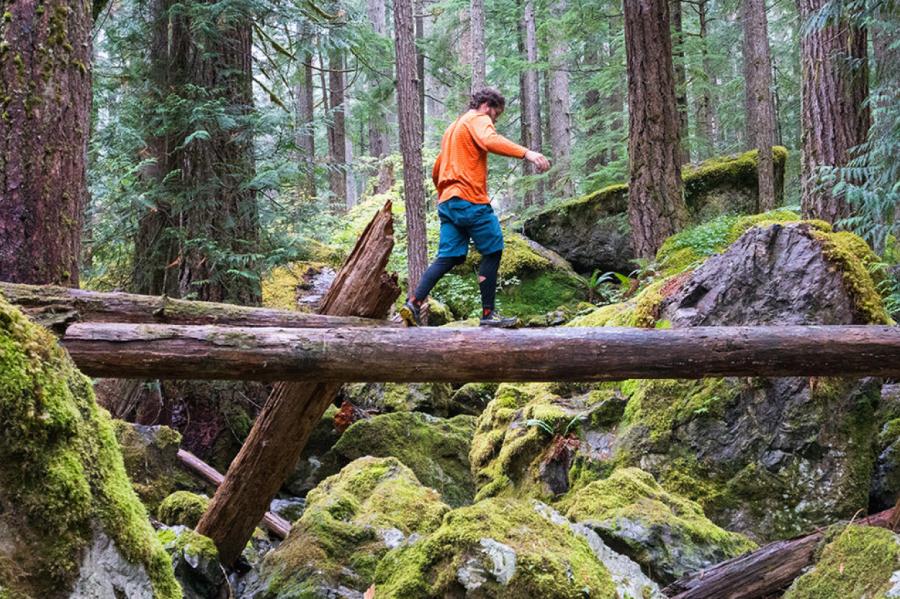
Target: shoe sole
x,y
407,315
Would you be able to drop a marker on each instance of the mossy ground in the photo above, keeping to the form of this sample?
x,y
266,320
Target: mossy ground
x,y
863,561
337,540
182,508
61,470
550,560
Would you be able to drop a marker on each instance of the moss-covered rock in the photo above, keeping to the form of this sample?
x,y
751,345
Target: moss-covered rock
x,y
498,548
435,449
431,398
665,533
863,561
63,486
306,474
351,520
182,508
297,286
196,563
592,231
472,398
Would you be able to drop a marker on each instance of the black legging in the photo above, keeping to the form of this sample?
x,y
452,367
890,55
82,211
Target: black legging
x,y
490,264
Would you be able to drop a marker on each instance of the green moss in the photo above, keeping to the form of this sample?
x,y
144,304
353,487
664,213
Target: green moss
x,y
337,540
182,507
188,542
279,287
550,560
734,171
890,432
859,563
61,472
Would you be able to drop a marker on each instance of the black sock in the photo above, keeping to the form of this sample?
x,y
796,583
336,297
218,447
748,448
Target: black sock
x,y
490,265
432,275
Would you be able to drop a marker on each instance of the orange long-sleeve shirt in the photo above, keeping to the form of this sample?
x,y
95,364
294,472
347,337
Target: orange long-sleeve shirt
x,y
461,167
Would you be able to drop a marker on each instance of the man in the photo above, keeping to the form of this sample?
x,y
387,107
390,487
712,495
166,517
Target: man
x,y
464,208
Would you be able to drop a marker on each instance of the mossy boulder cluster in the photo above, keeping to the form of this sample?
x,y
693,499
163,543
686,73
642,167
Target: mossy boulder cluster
x,y
592,232
70,520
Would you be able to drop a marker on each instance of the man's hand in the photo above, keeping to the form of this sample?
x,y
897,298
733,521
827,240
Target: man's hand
x,y
538,160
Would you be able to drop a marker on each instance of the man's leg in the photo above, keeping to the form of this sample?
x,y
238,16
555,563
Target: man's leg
x,y
487,281
441,266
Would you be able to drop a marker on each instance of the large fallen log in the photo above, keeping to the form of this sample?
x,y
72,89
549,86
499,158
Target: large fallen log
x,y
762,573
461,355
282,429
58,307
274,523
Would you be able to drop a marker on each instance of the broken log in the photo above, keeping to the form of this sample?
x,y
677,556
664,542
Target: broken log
x,y
274,523
58,307
484,355
361,288
766,572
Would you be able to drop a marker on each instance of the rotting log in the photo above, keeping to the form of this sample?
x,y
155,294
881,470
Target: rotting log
x,y
361,288
275,524
462,355
762,573
59,307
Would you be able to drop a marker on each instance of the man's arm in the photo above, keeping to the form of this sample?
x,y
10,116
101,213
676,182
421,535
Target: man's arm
x,y
436,170
487,138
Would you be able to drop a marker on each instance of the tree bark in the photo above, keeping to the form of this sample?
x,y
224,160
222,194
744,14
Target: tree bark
x,y
282,429
834,117
379,142
706,110
410,140
476,25
305,138
337,132
560,108
763,573
58,307
419,10
656,207
431,355
45,78
680,81
531,101
274,523
758,90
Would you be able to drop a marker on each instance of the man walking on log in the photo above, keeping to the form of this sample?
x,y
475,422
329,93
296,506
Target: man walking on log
x,y
464,208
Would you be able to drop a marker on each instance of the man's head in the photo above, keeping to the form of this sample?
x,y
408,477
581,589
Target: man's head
x,y
488,101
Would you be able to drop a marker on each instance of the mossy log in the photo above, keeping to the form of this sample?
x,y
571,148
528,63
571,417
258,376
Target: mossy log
x,y
361,288
275,524
766,572
58,307
480,355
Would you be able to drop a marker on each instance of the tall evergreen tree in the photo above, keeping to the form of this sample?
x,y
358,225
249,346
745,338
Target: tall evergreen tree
x,y
559,108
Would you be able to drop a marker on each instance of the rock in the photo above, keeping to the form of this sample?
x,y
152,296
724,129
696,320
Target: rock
x,y
290,508
306,474
863,561
435,449
886,477
182,508
65,499
196,563
495,548
666,534
297,286
592,232
472,398
151,460
431,398
351,520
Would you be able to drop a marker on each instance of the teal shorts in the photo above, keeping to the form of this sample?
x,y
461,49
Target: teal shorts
x,y
462,220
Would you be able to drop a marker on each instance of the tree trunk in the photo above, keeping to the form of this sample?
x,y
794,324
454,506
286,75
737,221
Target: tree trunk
x,y
379,142
656,207
305,138
763,573
680,81
531,101
337,132
760,105
282,429
399,354
560,109
419,10
410,140
58,307
45,78
706,110
478,52
834,118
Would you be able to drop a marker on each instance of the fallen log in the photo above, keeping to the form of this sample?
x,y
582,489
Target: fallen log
x,y
361,288
58,307
275,524
463,355
762,573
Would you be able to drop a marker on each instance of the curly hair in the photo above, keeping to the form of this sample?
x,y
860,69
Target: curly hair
x,y
490,95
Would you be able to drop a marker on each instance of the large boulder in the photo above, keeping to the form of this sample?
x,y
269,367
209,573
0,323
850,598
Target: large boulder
x,y
592,232
886,478
196,563
507,548
351,520
70,521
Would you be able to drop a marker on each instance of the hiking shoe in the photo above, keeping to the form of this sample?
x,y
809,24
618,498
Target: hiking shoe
x,y
411,314
495,320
